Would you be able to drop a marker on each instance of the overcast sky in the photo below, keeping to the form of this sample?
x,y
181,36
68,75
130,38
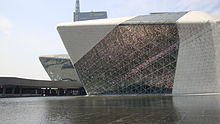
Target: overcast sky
x,y
28,27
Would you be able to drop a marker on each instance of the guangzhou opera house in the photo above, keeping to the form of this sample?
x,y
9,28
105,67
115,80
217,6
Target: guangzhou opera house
x,y
59,67
159,53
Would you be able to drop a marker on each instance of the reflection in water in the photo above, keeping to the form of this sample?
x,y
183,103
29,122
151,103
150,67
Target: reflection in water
x,y
198,109
110,110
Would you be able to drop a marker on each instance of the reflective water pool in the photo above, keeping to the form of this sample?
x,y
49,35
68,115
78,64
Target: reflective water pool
x,y
111,110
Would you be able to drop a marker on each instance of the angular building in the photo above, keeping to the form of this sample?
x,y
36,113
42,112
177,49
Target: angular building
x,y
59,68
160,53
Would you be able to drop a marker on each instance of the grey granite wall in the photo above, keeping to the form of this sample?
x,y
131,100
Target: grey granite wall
x,y
196,63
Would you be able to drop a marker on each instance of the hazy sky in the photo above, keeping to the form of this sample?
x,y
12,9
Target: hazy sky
x,y
28,27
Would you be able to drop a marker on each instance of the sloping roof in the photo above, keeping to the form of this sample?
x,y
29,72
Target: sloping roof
x,y
197,17
111,21
166,17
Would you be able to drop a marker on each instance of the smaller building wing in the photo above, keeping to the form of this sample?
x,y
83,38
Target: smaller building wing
x,y
59,67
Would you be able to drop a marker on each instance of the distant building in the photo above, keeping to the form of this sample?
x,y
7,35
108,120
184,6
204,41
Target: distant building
x,y
82,16
59,67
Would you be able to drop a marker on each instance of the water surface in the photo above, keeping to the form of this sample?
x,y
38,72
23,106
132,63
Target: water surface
x,y
111,110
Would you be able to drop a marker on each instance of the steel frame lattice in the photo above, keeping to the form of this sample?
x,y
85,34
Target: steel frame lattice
x,y
132,59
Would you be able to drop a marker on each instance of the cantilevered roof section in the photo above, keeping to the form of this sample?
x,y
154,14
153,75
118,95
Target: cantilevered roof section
x,y
39,83
80,37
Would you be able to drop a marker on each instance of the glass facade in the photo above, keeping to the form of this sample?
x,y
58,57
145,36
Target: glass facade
x,y
59,68
132,59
